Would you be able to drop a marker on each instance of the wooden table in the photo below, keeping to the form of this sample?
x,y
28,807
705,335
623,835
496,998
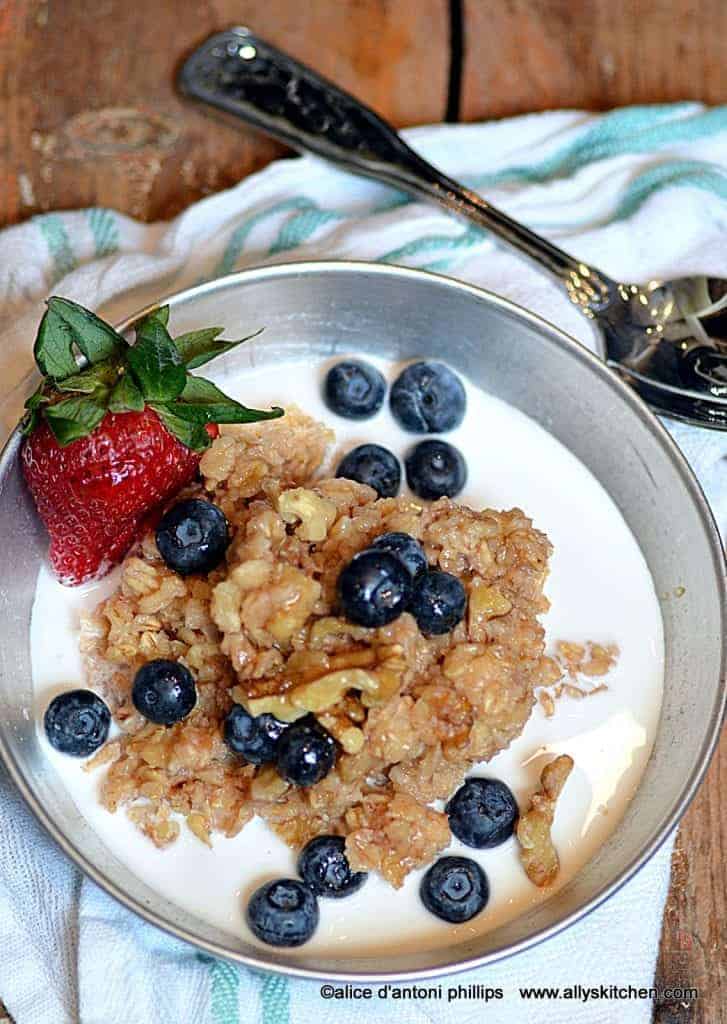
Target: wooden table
x,y
89,117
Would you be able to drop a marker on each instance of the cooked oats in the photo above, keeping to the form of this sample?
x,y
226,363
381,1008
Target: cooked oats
x,y
411,713
571,670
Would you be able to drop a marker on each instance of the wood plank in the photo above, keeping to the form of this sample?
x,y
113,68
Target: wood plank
x,y
90,116
525,55
694,936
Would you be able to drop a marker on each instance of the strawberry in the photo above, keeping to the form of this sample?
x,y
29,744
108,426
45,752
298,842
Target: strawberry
x,y
109,442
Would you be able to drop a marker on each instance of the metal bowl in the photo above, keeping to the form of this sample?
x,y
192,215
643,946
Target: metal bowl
x,y
398,313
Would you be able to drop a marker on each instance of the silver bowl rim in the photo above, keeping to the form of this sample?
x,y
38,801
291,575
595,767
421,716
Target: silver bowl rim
x,y
641,410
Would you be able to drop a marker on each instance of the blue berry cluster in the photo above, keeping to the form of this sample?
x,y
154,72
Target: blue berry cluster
x,y
426,397
303,752
77,722
482,814
285,912
392,576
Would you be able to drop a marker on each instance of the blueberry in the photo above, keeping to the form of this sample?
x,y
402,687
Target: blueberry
x,y
455,889
164,691
437,602
192,536
483,813
374,588
427,398
354,389
306,752
324,868
373,465
435,469
77,722
255,738
404,547
283,912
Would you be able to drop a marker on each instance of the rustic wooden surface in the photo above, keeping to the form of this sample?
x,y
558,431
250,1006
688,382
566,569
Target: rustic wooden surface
x,y
694,934
88,116
526,55
116,134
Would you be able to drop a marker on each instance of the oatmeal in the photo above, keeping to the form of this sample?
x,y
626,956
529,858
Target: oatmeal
x,y
402,744
575,671
411,713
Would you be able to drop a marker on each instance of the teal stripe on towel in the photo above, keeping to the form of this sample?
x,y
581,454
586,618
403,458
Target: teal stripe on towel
x,y
105,230
275,998
444,250
56,237
628,130
675,173
237,239
299,228
631,130
225,994
435,244
224,990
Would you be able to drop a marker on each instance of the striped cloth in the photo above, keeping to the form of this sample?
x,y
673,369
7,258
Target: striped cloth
x,y
638,192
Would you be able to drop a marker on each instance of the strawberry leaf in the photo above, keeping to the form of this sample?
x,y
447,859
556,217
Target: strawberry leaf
x,y
198,347
74,417
122,378
198,389
222,412
203,402
126,396
193,435
33,406
161,313
101,375
53,349
195,342
155,362
96,340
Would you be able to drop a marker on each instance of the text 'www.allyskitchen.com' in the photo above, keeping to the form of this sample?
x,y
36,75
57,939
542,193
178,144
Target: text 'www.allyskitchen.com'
x,y
484,993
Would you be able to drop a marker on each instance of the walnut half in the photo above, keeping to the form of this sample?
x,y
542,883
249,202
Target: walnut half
x,y
537,853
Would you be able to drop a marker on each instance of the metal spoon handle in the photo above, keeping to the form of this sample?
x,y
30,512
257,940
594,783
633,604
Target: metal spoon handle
x,y
245,76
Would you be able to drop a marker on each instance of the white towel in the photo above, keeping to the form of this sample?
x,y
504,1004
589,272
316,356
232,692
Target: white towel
x,y
639,192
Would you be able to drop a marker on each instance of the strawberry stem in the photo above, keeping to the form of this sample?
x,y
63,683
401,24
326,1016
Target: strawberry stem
x,y
118,377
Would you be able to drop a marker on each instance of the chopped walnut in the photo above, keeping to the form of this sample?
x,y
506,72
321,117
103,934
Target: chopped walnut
x,y
313,513
537,853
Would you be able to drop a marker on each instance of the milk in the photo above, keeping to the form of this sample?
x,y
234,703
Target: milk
x,y
600,589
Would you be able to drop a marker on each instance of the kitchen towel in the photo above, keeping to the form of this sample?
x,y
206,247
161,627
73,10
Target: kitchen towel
x,y
639,192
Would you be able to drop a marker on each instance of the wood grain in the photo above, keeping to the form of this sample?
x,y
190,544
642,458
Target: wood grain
x,y
90,115
524,55
694,936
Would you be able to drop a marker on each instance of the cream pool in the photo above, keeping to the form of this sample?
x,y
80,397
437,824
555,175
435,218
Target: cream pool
x,y
600,589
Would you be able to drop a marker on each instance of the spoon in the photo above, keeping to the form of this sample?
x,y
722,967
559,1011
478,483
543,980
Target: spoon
x,y
667,338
